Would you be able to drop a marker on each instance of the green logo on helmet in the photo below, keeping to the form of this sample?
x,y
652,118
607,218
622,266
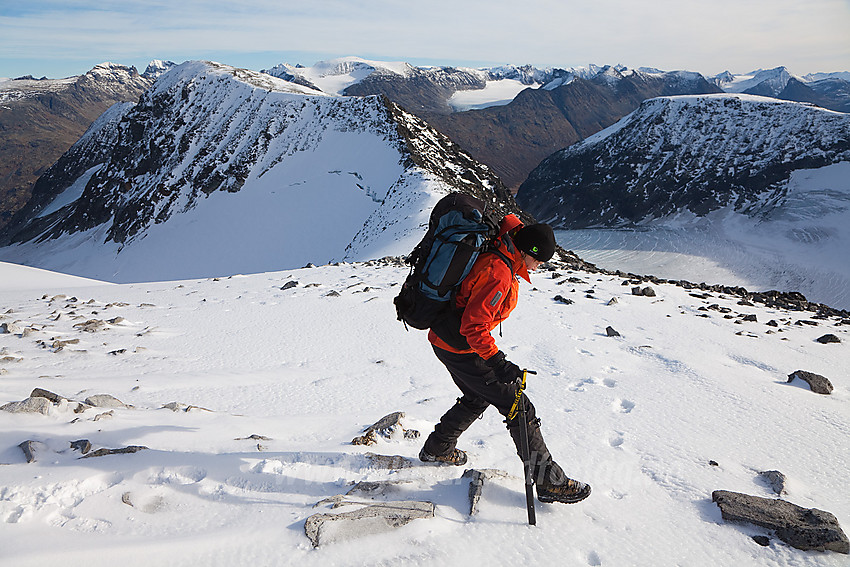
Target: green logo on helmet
x,y
534,249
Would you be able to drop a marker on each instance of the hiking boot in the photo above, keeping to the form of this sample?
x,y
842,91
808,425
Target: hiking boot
x,y
456,457
569,492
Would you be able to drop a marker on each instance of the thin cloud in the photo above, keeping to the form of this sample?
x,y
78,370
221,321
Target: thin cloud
x,y
701,36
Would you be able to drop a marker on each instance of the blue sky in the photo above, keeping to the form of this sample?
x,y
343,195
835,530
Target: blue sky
x,y
68,37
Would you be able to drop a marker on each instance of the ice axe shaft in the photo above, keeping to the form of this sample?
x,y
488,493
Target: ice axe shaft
x,y
519,409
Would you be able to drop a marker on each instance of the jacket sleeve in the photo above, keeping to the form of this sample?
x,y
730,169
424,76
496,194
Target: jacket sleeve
x,y
488,292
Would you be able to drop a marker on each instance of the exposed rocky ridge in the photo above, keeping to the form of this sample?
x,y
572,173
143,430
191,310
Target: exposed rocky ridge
x,y
694,154
41,119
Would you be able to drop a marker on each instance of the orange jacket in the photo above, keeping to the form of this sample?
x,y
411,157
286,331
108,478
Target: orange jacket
x,y
487,296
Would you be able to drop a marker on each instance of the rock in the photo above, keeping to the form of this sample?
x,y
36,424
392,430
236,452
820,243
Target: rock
x,y
54,398
81,445
386,427
828,338
799,527
775,479
29,405
10,329
611,332
332,293
646,291
378,488
105,401
477,478
613,301
562,299
28,447
391,462
763,541
289,285
372,519
122,451
751,318
91,326
116,320
817,383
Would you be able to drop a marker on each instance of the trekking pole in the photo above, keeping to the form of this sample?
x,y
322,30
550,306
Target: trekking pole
x,y
519,408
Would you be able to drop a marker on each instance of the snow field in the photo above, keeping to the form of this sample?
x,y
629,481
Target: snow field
x,y
640,417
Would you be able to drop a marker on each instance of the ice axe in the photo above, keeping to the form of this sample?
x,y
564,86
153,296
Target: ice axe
x,y
519,409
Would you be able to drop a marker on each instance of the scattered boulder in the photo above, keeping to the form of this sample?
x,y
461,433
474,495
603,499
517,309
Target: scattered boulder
x,y
751,318
614,301
105,401
54,398
391,462
29,405
817,383
775,479
386,427
611,332
806,529
10,329
564,300
827,339
371,519
289,285
645,291
477,478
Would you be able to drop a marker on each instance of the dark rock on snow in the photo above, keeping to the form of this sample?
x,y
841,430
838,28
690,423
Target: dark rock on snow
x,y
775,479
818,383
611,332
385,427
806,529
827,339
477,478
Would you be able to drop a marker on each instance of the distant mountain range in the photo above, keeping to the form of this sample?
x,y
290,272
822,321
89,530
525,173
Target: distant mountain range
x,y
511,118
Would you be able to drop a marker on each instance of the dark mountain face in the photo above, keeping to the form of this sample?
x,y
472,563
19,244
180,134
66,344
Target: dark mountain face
x,y
834,94
515,138
694,154
40,120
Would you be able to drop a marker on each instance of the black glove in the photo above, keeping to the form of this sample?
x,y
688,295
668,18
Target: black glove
x,y
505,370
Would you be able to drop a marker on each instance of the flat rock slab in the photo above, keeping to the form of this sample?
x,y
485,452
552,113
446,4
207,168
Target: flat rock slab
x,y
371,519
806,529
29,405
818,384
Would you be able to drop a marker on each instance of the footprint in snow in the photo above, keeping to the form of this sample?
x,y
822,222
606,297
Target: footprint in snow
x,y
623,406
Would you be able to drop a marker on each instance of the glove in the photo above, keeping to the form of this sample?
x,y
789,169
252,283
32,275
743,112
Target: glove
x,y
505,370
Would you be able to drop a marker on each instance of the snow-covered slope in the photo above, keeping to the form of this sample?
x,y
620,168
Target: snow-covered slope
x,y
220,170
262,406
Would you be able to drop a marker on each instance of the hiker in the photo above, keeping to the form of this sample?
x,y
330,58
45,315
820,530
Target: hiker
x,y
463,343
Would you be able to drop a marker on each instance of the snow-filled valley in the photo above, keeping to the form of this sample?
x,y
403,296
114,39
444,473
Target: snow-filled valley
x,y
247,390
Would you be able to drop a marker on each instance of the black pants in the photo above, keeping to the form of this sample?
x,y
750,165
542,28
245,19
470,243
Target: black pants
x,y
480,390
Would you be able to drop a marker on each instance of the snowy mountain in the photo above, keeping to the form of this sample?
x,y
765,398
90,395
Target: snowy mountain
x,y
241,413
42,118
219,170
828,90
691,154
755,184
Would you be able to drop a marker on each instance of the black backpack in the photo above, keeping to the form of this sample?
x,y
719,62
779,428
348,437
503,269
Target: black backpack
x,y
460,228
